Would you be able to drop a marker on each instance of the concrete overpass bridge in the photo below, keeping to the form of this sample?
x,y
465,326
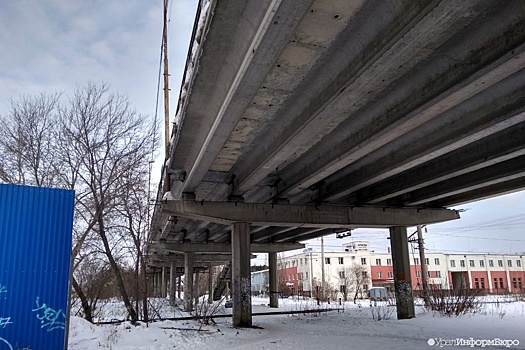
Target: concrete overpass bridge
x,y
298,118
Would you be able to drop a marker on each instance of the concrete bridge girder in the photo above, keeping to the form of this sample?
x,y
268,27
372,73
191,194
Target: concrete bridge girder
x,y
322,216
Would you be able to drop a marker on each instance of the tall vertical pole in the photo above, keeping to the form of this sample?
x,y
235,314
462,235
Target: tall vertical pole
x,y
322,268
166,81
311,273
423,265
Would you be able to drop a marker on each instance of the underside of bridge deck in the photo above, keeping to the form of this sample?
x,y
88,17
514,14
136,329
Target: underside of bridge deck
x,y
390,108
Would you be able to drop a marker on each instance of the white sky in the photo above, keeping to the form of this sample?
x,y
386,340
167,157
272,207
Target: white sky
x,y
57,45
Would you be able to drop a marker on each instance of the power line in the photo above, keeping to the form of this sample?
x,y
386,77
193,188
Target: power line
x,y
473,237
469,251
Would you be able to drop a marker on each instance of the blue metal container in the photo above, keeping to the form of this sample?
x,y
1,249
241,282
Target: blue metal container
x,y
35,251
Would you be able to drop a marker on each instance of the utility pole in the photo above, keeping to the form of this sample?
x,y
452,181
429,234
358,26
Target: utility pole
x,y
166,81
423,265
322,268
311,273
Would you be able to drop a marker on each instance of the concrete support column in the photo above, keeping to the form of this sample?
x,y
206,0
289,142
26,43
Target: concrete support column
x,y
402,277
164,283
188,282
173,282
179,286
196,288
241,276
273,285
210,284
157,284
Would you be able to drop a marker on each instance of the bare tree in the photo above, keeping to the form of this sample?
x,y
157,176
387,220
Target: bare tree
x,y
98,146
282,287
27,145
360,278
352,279
134,213
103,142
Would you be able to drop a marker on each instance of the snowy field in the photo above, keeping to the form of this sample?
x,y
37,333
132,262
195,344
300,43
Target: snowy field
x,y
353,327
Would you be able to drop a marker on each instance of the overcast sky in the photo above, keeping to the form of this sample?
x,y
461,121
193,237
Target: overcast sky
x,y
57,45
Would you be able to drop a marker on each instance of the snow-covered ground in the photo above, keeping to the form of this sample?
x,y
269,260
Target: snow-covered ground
x,y
354,327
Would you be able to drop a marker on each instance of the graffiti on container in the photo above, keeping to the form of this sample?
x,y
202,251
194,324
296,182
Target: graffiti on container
x,y
4,321
49,317
2,340
404,292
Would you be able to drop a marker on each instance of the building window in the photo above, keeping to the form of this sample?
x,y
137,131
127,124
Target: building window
x,y
379,274
436,261
416,261
301,261
514,283
519,283
438,274
306,274
471,263
518,263
390,274
363,261
491,263
365,287
342,289
418,273
378,262
365,274
462,263
509,263
427,261
327,261
341,261
482,263
429,274
501,285
496,283
500,263
482,280
341,274
452,263
306,260
476,283
389,261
